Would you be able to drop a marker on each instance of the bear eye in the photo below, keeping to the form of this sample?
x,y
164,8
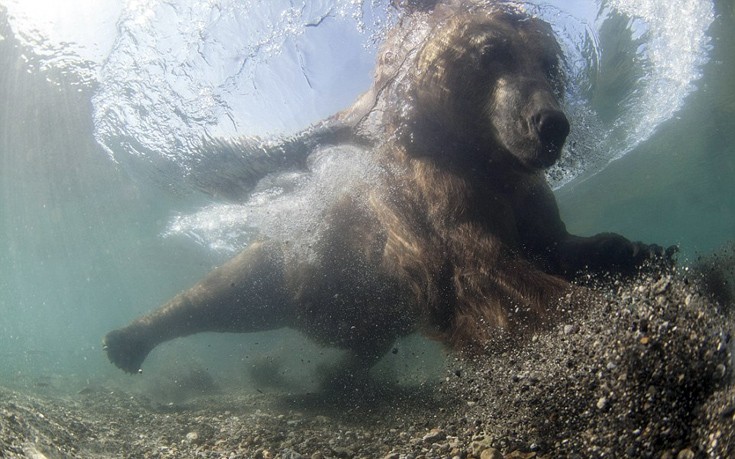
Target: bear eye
x,y
551,68
554,74
494,51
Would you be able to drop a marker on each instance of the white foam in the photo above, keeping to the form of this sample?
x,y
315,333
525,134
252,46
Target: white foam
x,y
289,207
676,48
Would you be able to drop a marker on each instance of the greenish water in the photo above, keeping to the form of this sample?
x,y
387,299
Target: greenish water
x,y
82,252
679,186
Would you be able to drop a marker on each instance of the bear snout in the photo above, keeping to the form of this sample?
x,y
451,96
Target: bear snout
x,y
552,128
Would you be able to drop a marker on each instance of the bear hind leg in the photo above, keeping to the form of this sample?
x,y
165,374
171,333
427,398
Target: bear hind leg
x,y
246,294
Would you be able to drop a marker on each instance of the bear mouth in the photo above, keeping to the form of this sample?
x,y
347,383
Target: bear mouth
x,y
547,155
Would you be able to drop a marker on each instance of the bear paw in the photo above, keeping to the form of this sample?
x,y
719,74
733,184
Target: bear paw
x,y
127,349
612,253
653,255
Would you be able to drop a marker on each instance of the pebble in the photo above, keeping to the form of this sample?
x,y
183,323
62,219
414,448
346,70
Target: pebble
x,y
491,453
434,436
342,452
661,285
31,452
290,454
720,370
480,444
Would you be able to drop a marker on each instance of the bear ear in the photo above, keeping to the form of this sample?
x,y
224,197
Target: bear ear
x,y
410,6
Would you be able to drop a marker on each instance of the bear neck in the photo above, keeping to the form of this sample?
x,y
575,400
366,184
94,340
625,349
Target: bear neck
x,y
446,194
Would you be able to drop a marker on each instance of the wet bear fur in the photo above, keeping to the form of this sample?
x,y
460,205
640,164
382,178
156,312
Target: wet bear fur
x,y
460,236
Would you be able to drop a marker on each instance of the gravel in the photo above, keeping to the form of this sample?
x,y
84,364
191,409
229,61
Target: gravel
x,y
644,371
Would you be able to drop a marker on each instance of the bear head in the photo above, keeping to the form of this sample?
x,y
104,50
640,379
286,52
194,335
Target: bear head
x,y
491,81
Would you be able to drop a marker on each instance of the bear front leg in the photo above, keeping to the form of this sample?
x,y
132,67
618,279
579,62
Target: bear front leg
x,y
245,294
609,253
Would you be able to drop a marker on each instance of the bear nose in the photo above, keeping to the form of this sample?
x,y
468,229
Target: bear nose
x,y
551,126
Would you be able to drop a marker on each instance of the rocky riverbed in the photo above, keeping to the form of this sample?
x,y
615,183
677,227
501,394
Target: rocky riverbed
x,y
644,371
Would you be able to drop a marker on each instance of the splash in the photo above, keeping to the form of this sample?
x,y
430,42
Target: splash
x,y
676,47
287,206
641,43
181,71
632,65
177,71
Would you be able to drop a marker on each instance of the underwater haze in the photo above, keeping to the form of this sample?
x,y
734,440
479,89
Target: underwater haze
x,y
104,103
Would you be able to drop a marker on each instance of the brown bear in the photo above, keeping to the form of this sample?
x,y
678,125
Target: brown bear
x,y
458,238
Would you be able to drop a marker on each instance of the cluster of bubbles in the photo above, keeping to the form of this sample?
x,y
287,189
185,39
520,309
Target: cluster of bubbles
x,y
287,206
